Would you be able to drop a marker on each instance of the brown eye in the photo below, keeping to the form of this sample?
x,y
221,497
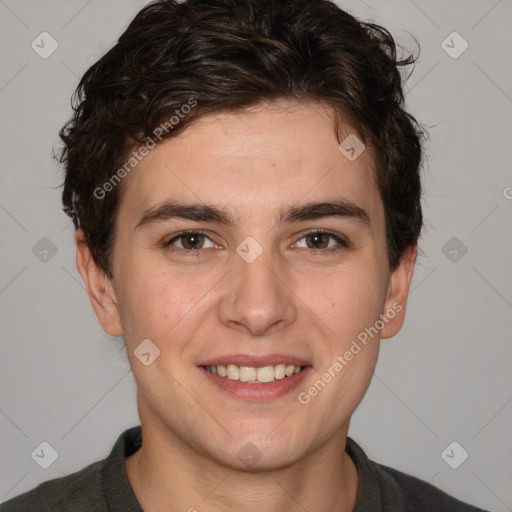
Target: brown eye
x,y
192,240
189,241
317,240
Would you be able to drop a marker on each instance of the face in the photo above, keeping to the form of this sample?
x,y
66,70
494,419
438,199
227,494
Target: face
x,y
250,244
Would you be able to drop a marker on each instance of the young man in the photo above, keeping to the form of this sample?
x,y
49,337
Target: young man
x,y
245,186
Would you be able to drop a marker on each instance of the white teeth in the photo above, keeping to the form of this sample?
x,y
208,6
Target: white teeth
x,y
233,372
255,375
279,371
265,374
247,373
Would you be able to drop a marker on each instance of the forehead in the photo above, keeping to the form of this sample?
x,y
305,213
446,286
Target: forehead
x,y
280,153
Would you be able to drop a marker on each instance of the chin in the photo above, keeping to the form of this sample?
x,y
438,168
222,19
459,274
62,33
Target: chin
x,y
251,459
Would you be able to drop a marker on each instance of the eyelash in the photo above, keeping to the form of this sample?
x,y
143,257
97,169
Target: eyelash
x,y
343,243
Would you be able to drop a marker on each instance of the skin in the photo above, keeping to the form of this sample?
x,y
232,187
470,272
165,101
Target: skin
x,y
297,299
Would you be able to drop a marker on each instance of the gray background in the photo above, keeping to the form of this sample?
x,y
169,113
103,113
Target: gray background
x,y
446,377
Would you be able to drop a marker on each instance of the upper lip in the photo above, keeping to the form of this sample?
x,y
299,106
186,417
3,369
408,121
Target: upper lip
x,y
255,361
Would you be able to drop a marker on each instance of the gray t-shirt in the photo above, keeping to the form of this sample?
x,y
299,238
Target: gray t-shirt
x,y
104,486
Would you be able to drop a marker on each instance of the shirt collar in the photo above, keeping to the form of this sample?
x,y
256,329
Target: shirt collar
x,y
117,490
377,489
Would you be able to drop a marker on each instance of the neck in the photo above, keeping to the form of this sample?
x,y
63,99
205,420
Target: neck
x,y
167,475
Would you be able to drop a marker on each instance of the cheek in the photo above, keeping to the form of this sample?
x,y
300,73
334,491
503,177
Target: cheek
x,y
158,303
346,300
349,305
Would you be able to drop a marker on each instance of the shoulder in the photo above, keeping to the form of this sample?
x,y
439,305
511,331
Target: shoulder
x,y
78,491
98,487
387,489
422,496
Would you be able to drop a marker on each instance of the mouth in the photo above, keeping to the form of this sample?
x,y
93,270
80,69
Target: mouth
x,y
254,375
259,378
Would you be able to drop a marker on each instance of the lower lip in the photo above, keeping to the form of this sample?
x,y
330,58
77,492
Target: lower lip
x,y
257,392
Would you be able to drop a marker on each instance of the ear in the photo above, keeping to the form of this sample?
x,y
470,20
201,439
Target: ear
x,y
99,288
398,291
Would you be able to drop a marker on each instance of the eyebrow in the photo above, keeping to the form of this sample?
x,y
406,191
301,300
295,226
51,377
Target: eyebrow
x,y
202,212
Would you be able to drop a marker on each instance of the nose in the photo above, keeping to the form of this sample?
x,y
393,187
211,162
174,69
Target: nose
x,y
258,296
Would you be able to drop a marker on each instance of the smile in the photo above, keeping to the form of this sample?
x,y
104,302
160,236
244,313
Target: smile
x,y
254,375
259,383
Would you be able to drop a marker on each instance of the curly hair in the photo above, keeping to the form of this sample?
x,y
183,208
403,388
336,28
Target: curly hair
x,y
228,55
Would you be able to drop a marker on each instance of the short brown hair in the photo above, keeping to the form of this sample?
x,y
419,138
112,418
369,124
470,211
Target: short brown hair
x,y
228,55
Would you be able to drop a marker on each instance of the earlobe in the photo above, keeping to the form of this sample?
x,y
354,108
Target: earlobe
x,y
99,288
398,291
